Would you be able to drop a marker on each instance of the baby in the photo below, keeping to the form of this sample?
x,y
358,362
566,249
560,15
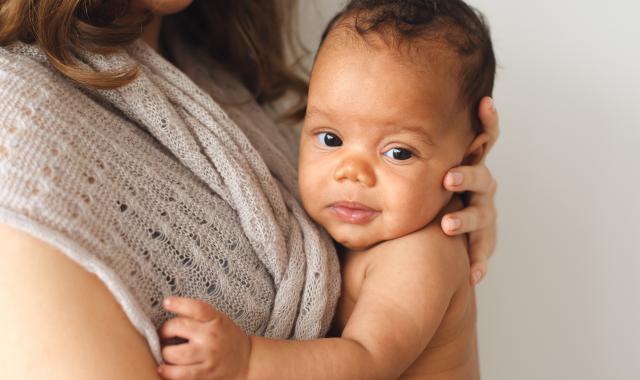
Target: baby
x,y
392,106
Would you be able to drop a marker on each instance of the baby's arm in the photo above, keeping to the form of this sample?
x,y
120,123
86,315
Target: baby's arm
x,y
402,301
216,347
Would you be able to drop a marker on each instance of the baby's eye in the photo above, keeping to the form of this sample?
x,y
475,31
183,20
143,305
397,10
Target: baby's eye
x,y
329,139
398,154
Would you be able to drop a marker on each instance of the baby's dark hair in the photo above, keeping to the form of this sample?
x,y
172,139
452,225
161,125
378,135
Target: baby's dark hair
x,y
450,22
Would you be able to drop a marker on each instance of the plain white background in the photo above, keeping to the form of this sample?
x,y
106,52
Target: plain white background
x,y
562,298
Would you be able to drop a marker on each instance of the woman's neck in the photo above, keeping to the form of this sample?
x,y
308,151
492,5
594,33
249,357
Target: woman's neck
x,y
151,33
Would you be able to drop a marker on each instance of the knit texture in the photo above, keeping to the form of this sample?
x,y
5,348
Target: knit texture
x,y
158,190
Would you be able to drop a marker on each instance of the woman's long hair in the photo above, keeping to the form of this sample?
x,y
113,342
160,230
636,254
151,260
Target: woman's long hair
x,y
250,38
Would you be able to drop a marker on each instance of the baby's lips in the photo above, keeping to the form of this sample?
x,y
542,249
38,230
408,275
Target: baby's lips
x,y
353,212
352,205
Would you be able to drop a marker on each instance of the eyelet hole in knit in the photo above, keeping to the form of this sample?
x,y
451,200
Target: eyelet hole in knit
x,y
26,110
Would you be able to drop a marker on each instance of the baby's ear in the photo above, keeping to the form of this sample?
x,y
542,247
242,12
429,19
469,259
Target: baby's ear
x,y
477,150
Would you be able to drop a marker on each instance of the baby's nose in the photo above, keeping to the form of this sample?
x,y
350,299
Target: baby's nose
x,y
356,170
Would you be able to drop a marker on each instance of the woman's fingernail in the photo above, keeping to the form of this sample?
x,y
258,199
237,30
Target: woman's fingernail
x,y
453,224
477,275
454,178
167,301
492,105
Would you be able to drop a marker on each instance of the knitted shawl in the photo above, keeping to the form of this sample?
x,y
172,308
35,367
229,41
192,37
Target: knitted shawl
x,y
158,190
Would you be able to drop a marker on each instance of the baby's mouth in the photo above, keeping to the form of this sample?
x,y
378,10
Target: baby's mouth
x,y
353,212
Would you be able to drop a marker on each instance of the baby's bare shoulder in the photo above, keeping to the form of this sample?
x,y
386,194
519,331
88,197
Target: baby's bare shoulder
x,y
426,250
411,281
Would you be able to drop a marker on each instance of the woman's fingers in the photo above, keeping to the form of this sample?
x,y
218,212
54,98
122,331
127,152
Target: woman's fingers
x,y
182,354
482,244
477,179
471,219
490,120
480,223
478,272
189,307
179,327
479,218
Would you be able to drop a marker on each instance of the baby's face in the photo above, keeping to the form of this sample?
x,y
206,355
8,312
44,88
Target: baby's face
x,y
378,138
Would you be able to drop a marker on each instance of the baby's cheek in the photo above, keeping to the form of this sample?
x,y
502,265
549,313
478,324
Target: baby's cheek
x,y
304,185
415,207
312,183
310,195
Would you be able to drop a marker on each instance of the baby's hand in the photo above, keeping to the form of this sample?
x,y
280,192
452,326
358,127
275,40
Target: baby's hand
x,y
216,349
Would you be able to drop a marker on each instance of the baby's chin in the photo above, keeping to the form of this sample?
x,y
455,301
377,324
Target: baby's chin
x,y
354,243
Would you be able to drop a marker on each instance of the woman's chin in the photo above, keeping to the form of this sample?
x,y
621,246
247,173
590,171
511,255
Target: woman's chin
x,y
166,7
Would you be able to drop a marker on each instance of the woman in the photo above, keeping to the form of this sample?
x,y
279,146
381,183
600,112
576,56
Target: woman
x,y
124,182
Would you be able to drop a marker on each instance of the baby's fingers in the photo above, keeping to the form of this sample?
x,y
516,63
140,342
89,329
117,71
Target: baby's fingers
x,y
182,354
179,327
192,308
180,372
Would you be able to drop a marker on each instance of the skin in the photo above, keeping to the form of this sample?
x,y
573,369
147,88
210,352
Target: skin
x,y
161,7
407,309
478,220
38,279
404,111
432,336
58,312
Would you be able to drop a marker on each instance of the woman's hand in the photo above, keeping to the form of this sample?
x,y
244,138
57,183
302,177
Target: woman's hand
x,y
478,219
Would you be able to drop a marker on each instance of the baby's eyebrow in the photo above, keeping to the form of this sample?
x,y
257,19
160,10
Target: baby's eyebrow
x,y
315,111
394,127
416,130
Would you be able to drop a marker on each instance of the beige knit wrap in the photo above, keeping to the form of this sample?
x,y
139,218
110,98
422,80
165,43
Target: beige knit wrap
x,y
158,190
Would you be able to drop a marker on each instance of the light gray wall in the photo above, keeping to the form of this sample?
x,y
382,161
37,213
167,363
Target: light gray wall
x,y
562,299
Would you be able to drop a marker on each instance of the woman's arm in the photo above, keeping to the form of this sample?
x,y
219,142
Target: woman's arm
x,y
60,321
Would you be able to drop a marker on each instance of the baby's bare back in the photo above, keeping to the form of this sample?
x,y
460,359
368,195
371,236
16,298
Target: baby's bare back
x,y
452,351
